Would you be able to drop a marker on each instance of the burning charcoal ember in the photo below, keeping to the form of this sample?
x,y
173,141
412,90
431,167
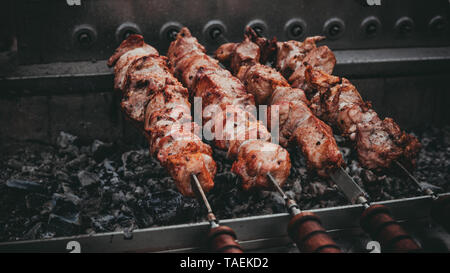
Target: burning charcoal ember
x,y
25,185
87,178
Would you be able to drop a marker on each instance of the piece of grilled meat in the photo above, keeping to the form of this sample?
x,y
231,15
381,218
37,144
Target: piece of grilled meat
x,y
156,102
224,101
297,124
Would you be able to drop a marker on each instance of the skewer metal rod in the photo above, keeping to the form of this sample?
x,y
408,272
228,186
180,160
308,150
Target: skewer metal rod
x,y
363,201
277,187
211,217
290,204
221,239
414,179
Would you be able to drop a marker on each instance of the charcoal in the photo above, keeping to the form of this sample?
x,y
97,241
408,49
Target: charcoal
x,y
127,234
64,140
355,168
71,191
130,198
64,226
79,162
290,194
345,151
87,178
66,188
29,169
35,201
103,223
316,189
48,235
25,185
34,232
108,165
65,203
62,176
119,197
116,181
426,185
47,207
14,164
139,191
101,150
278,204
297,187
163,206
369,176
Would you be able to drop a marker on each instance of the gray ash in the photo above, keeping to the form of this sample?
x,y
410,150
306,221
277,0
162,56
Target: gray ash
x,y
76,188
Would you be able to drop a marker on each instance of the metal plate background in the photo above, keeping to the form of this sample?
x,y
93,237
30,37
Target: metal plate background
x,y
44,27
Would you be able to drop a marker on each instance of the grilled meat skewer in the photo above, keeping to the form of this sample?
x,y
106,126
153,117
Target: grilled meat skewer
x,y
298,125
156,102
336,101
225,110
265,82
378,142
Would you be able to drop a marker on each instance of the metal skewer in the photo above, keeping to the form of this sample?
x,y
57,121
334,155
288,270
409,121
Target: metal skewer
x,y
292,206
349,187
305,228
375,219
220,238
440,209
211,217
427,191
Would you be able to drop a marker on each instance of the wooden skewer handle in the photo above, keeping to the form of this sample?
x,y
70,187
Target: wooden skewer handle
x,y
378,222
306,230
440,211
222,239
